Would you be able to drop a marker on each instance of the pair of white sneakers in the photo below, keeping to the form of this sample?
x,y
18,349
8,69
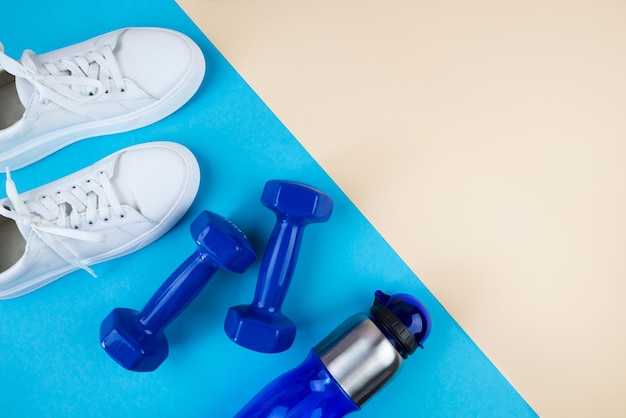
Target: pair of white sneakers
x,y
116,82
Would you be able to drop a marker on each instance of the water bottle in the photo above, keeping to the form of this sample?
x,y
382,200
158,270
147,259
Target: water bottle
x,y
349,366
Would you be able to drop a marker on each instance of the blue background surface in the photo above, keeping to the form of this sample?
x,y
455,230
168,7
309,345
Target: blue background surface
x,y
51,362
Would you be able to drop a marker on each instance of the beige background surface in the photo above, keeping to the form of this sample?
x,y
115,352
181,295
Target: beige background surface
x,y
486,141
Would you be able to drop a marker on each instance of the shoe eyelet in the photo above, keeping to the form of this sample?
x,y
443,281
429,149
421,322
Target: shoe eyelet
x,y
122,90
106,219
122,216
76,227
90,222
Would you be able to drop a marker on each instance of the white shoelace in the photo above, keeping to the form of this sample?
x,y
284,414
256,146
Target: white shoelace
x,y
61,216
69,82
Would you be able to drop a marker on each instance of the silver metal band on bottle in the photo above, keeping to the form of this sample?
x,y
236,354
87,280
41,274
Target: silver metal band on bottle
x,y
360,357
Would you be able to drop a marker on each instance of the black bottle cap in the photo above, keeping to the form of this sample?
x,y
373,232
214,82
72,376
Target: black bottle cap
x,y
403,318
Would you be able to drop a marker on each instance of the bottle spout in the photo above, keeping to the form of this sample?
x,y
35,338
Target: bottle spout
x,y
403,318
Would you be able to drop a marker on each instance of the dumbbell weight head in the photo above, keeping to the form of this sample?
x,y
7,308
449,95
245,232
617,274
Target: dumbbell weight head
x,y
130,346
222,241
296,201
129,338
259,330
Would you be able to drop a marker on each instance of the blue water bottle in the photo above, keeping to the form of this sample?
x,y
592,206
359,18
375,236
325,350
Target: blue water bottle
x,y
349,366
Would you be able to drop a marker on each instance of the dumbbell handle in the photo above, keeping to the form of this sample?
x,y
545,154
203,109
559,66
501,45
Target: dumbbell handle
x,y
177,292
278,264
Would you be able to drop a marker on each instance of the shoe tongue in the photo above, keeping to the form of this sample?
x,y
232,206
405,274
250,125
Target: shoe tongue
x,y
24,229
25,90
126,191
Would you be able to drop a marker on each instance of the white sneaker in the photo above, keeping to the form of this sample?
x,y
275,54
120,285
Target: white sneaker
x,y
116,206
116,82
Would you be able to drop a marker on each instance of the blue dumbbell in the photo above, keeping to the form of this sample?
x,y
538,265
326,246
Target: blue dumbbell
x,y
261,326
136,339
